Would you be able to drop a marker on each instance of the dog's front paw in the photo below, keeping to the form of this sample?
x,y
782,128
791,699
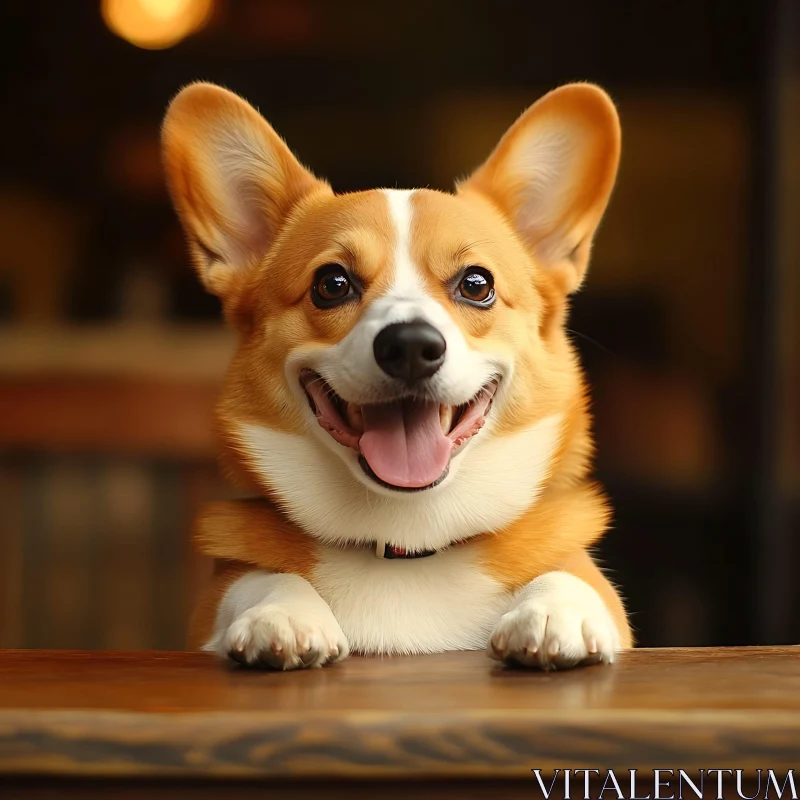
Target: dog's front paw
x,y
271,636
561,623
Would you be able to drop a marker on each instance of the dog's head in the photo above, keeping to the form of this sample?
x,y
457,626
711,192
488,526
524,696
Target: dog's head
x,y
402,369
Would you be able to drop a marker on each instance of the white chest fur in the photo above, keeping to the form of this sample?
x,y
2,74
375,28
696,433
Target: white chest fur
x,y
422,605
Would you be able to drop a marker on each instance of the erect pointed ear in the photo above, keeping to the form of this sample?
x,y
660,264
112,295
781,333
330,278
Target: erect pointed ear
x,y
552,174
232,179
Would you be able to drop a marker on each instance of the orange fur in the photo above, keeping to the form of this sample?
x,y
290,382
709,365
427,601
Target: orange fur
x,y
254,531
259,247
558,526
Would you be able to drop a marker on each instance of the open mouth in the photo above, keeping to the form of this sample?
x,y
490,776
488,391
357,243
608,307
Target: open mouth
x,y
405,444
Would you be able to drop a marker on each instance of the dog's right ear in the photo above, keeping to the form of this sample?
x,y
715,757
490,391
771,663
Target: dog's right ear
x,y
232,179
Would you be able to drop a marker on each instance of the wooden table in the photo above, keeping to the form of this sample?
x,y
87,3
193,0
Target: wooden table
x,y
454,725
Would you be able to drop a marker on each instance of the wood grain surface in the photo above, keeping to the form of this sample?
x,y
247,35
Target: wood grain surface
x,y
449,716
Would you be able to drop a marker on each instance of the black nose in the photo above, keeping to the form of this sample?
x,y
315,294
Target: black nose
x,y
409,350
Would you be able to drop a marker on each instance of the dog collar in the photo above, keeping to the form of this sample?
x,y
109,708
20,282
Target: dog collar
x,y
385,550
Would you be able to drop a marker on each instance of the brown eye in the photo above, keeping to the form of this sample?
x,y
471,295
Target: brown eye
x,y
477,286
332,286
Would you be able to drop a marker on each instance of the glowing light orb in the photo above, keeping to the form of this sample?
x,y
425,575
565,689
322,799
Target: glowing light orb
x,y
155,24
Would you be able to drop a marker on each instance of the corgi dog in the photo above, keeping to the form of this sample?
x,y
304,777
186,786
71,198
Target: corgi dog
x,y
404,402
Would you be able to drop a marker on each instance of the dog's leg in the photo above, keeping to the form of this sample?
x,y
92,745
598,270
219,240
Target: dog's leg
x,y
562,619
277,621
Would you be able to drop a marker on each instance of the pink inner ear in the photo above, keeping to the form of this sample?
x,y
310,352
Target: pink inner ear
x,y
232,178
546,163
258,203
552,173
245,219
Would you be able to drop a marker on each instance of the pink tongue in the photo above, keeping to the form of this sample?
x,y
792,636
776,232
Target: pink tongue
x,y
403,443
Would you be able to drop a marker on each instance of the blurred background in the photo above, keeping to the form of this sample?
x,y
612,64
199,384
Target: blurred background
x,y
111,355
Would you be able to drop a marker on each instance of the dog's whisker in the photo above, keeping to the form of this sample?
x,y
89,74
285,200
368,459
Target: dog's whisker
x,y
589,339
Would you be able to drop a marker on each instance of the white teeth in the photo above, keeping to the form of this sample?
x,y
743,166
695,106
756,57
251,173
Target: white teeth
x,y
446,418
355,418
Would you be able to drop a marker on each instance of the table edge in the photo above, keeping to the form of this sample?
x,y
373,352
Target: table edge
x,y
364,744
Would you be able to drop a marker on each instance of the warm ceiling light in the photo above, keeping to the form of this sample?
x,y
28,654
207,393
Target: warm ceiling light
x,y
155,24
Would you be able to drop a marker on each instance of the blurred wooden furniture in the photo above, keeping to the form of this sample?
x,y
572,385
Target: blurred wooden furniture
x,y
106,449
170,724
41,237
123,389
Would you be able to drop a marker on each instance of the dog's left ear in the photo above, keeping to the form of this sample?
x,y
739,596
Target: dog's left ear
x,y
552,174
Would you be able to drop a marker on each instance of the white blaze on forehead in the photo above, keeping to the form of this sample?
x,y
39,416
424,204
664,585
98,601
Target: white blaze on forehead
x,y
350,366
406,283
